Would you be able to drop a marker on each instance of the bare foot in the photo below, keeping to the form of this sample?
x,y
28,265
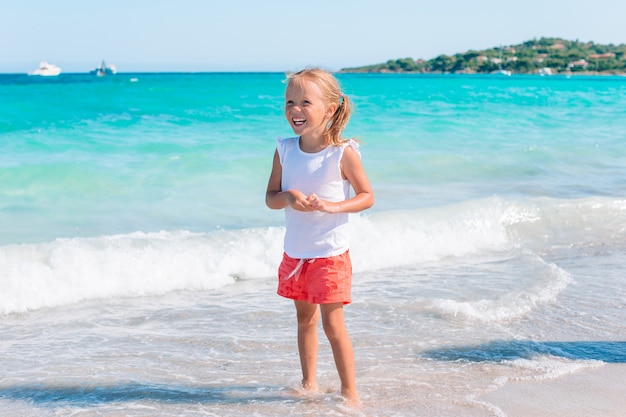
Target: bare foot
x,y
307,390
309,386
351,398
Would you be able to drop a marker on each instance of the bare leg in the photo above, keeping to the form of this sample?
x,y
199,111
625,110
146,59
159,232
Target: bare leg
x,y
308,318
335,329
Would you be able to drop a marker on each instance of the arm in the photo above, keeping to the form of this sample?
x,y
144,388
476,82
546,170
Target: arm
x,y
352,170
276,198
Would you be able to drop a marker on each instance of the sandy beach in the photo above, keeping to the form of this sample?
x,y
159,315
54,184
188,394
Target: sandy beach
x,y
588,392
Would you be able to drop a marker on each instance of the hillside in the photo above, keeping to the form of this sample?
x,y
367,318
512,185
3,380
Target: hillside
x,y
545,55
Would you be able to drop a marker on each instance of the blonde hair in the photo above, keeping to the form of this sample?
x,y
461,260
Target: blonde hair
x,y
332,94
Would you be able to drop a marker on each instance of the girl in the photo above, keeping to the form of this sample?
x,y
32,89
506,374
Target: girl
x,y
311,178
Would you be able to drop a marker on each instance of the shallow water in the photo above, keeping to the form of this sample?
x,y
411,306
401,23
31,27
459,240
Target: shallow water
x,y
429,340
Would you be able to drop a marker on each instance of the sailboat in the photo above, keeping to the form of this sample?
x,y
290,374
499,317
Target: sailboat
x,y
104,69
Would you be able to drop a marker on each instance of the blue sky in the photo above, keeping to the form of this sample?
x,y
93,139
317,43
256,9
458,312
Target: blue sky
x,y
271,35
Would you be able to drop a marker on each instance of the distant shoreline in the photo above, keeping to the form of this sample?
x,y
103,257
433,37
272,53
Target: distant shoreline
x,y
558,74
544,56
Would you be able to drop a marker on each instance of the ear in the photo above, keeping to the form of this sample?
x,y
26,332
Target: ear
x,y
330,110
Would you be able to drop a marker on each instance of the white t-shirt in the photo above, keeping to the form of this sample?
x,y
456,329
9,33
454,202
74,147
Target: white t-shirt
x,y
314,234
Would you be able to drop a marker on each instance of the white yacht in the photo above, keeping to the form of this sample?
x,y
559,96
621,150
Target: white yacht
x,y
545,71
46,70
502,72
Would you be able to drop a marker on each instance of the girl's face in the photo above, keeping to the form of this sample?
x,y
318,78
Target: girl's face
x,y
305,109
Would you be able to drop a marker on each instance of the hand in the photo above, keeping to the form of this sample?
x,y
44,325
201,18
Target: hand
x,y
318,204
299,201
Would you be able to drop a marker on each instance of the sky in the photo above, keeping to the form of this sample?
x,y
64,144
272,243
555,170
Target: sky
x,y
271,35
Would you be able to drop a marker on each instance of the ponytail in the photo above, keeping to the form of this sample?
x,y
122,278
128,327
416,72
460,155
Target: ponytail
x,y
338,121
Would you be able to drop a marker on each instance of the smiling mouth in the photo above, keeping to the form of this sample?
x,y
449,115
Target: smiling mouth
x,y
298,122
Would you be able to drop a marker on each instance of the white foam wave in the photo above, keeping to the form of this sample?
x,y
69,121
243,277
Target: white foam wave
x,y
414,236
396,238
74,269
511,305
586,222
549,367
71,270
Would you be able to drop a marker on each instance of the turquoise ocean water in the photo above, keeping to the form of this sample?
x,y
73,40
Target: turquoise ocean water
x,y
137,256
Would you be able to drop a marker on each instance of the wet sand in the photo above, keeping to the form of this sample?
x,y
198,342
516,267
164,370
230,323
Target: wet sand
x,y
586,393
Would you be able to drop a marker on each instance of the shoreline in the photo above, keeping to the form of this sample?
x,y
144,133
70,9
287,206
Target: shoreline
x,y
556,74
584,393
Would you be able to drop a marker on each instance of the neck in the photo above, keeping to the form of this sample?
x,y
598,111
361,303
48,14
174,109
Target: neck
x,y
312,144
